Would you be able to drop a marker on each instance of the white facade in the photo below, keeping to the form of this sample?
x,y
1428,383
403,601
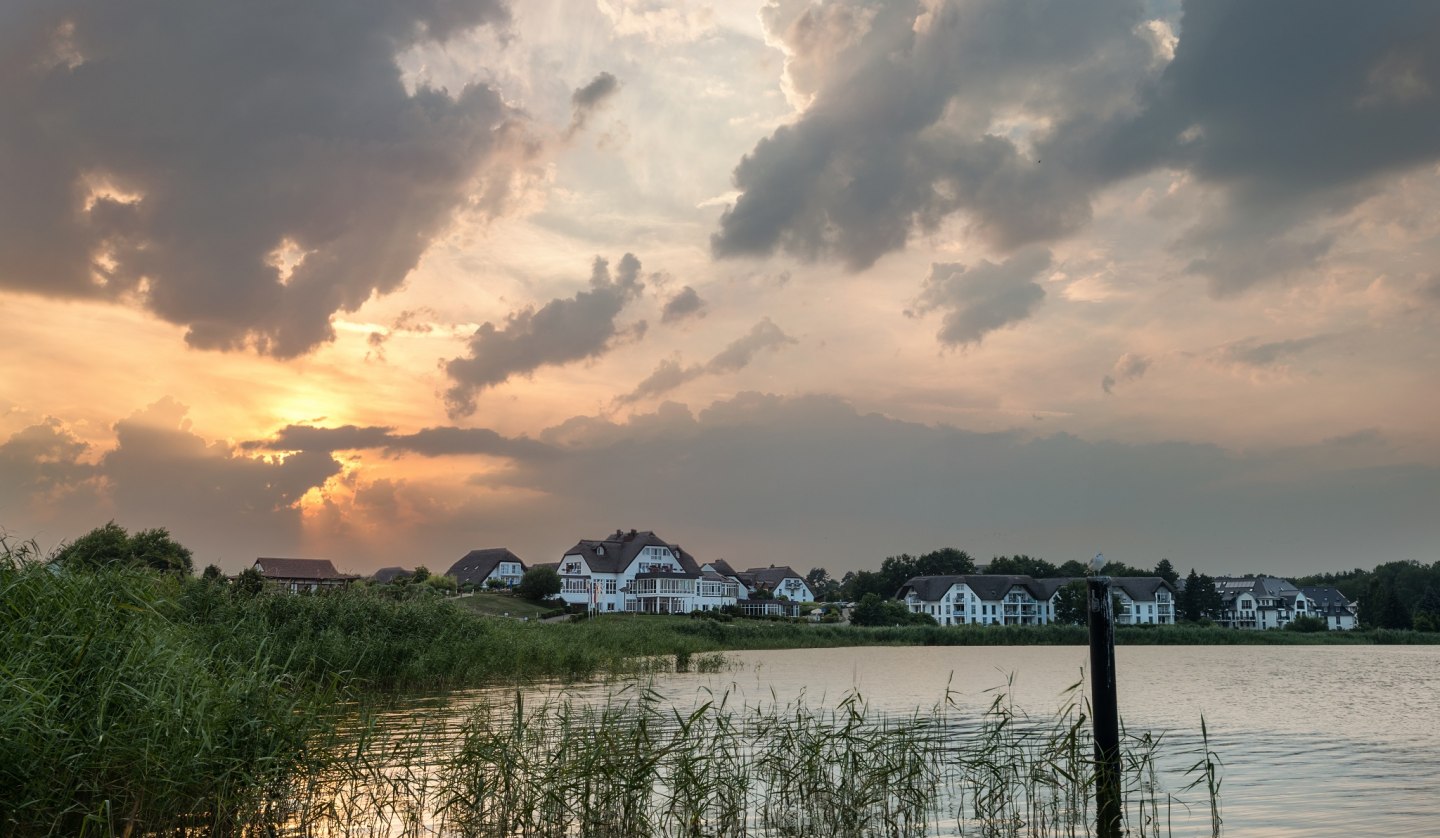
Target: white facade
x,y
1261,603
959,605
510,573
980,599
1157,611
638,573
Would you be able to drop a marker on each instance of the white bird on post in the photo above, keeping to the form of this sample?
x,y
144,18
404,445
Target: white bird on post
x,y
1097,564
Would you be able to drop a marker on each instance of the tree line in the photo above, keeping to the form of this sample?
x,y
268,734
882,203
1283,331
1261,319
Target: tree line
x,y
1394,595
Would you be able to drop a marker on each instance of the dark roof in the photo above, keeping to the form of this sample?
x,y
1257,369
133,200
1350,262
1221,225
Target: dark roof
x,y
477,565
1268,587
614,554
388,574
272,568
1141,587
986,586
723,567
769,577
1328,600
992,587
687,561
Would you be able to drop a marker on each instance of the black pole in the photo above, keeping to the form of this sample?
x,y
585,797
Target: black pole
x,y
1105,706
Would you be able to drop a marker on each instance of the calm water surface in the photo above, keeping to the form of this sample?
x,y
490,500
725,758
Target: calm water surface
x,y
1317,741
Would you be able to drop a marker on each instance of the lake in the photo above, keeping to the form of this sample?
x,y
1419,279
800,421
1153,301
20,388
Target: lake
x,y
1316,741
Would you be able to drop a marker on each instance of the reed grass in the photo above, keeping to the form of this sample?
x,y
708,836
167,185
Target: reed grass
x,y
635,765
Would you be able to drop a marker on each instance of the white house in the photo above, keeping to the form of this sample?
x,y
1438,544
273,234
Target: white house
x,y
780,581
640,572
1144,600
982,599
1338,612
1258,603
985,599
478,567
724,569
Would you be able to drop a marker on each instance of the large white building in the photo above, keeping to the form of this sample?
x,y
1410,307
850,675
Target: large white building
x,y
1262,602
983,599
640,572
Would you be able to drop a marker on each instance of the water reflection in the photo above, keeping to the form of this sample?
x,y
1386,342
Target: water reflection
x,y
1316,741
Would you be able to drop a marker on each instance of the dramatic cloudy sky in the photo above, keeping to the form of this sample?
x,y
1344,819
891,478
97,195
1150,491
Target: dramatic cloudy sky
x,y
787,282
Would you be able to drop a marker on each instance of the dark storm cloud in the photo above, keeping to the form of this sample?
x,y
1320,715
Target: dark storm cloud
x,y
42,465
585,100
561,331
980,299
1297,110
428,442
686,303
244,170
1292,111
769,476
669,375
159,473
901,132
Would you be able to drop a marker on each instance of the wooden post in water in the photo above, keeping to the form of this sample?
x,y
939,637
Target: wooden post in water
x,y
1105,705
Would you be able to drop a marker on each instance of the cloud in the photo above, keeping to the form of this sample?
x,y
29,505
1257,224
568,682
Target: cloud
x,y
215,499
585,100
978,300
773,475
1013,114
1128,367
560,332
1252,354
670,375
916,111
243,172
428,442
44,466
685,304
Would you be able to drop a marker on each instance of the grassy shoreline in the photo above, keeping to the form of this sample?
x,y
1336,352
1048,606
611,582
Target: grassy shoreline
x,y
135,699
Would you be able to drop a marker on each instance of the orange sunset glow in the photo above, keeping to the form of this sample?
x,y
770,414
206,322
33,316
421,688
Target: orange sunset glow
x,y
812,282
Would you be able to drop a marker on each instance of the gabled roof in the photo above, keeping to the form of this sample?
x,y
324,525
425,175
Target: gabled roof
x,y
769,577
386,575
614,554
723,568
477,565
989,587
1268,587
317,569
994,587
1328,600
1142,588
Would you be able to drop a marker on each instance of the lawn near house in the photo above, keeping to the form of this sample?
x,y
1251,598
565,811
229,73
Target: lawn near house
x,y
494,604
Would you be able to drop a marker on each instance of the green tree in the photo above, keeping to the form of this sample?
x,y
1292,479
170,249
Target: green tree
x,y
947,561
111,545
1071,604
249,583
873,610
1306,623
213,573
1382,608
1022,566
538,584
1073,567
857,585
1427,611
1166,571
419,574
